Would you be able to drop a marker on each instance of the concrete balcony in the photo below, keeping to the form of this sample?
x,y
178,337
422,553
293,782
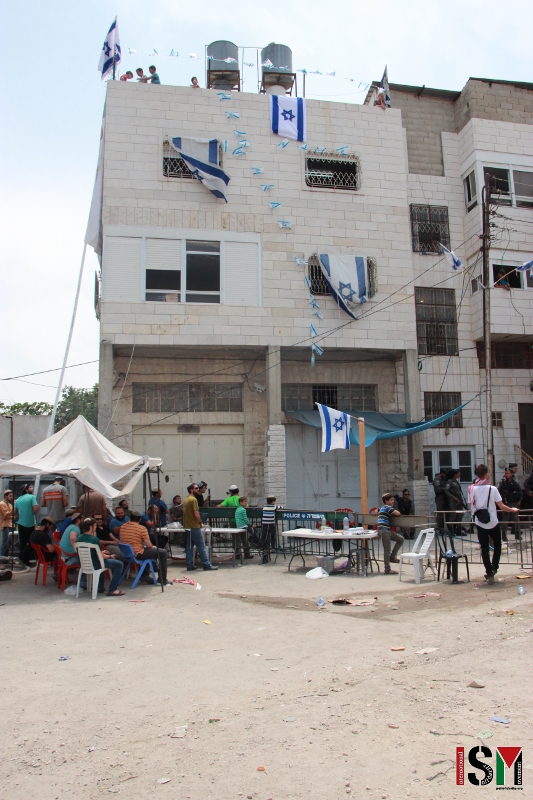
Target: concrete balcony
x,y
511,314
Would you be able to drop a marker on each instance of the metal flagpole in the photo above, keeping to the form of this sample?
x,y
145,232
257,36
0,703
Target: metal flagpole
x,y
487,280
114,59
364,498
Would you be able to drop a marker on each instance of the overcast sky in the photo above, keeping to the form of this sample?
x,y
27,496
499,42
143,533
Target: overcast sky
x,y
52,100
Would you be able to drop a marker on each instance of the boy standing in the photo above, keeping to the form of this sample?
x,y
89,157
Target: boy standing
x,y
242,521
385,513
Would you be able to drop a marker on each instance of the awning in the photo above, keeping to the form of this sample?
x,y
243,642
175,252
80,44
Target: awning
x,y
377,426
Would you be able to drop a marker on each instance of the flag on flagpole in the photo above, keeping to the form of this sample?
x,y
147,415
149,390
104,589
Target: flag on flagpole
x,y
201,156
384,85
451,257
335,429
288,117
111,47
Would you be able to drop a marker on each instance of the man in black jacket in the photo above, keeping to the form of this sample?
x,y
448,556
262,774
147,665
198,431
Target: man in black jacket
x,y
405,507
441,504
456,502
511,493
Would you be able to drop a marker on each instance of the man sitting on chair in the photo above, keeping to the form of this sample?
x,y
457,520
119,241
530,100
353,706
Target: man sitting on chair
x,y
40,536
136,535
88,536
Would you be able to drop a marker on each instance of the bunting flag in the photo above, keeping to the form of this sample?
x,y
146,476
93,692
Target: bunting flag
x,y
346,279
525,267
201,156
451,257
288,117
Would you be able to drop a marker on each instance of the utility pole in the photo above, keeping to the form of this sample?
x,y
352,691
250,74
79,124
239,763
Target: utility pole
x,y
487,280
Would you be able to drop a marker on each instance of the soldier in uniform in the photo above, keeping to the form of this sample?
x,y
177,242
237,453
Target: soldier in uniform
x,y
511,493
441,503
456,501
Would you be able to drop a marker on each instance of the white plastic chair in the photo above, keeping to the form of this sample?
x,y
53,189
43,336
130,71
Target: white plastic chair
x,y
87,567
417,556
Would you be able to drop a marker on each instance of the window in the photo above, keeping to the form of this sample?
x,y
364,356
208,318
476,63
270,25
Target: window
x,y
203,272
302,397
465,466
523,188
176,397
509,274
333,171
438,403
507,355
469,184
497,419
428,465
163,270
460,459
436,321
476,284
175,167
316,277
429,228
499,184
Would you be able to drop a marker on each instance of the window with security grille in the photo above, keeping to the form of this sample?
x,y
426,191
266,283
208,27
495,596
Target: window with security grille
x,y
344,397
507,355
333,171
176,397
316,277
436,321
175,167
438,403
429,228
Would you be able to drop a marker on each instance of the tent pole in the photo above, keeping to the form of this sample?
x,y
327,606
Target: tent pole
x,y
362,462
13,528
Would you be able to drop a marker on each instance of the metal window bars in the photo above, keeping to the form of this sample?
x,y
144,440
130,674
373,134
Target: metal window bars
x,y
333,170
175,167
429,228
438,403
176,397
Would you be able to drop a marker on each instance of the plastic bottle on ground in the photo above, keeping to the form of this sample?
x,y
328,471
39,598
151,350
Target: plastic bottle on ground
x,y
320,602
521,590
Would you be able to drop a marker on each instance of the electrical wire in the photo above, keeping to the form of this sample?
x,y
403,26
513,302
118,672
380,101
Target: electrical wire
x,y
122,389
43,372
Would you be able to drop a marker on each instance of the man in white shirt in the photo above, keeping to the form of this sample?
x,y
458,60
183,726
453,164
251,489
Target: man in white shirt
x,y
484,498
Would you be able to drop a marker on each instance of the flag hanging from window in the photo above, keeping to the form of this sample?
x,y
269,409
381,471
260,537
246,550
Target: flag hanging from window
x,y
110,50
201,156
346,280
288,117
451,257
335,429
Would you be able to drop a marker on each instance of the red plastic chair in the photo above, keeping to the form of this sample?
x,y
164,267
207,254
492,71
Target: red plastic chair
x,y
41,562
63,568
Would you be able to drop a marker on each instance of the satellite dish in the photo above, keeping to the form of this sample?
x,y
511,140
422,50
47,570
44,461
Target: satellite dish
x,y
502,463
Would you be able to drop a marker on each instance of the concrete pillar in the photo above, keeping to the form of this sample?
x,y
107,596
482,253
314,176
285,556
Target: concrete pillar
x,y
418,485
105,385
275,465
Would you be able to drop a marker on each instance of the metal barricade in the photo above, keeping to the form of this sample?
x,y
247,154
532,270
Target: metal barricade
x,y
517,544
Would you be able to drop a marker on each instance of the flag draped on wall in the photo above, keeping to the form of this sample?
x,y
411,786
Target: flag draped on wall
x,y
111,46
201,156
346,279
335,429
94,225
288,117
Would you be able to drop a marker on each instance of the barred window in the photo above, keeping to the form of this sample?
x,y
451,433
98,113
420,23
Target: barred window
x,y
175,167
436,322
176,397
316,277
302,397
429,228
438,403
333,171
507,355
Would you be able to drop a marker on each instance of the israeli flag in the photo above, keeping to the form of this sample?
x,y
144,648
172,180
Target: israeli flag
x,y
288,117
525,267
346,279
335,429
201,156
451,257
384,86
111,45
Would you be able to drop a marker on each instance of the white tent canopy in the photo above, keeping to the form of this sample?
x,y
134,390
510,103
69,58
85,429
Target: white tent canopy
x,y
81,452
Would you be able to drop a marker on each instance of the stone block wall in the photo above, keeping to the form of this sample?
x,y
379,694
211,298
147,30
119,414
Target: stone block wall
x,y
424,118
492,100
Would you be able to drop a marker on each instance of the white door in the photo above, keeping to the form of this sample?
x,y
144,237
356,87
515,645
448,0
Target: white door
x,y
446,458
212,456
319,481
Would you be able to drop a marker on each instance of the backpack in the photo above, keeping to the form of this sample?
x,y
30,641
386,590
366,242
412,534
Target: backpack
x,y
483,514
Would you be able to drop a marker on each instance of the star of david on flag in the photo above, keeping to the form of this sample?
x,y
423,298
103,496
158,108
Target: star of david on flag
x,y
346,279
111,43
335,429
288,117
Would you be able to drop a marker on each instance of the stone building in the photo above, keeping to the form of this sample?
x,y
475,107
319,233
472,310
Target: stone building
x,y
205,311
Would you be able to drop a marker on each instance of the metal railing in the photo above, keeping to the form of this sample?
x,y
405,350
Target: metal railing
x,y
524,460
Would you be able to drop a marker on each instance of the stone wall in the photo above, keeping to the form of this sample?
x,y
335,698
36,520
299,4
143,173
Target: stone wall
x,y
494,101
424,119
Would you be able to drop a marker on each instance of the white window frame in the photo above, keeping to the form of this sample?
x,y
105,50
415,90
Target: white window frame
x,y
183,234
455,458
479,159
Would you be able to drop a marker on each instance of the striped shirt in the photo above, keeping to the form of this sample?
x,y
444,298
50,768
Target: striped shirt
x,y
136,535
269,514
384,515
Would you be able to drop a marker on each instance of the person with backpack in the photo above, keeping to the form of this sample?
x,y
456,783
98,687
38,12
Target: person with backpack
x,y
484,498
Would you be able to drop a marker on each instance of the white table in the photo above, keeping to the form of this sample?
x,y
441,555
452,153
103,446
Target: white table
x,y
207,533
301,538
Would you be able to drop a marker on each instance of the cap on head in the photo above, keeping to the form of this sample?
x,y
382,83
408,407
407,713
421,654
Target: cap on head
x,y
191,486
201,484
49,520
77,515
135,516
8,491
270,497
234,488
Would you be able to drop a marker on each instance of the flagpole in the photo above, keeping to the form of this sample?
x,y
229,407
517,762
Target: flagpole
x,y
114,59
362,463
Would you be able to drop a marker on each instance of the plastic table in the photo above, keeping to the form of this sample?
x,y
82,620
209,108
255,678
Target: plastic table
x,y
301,538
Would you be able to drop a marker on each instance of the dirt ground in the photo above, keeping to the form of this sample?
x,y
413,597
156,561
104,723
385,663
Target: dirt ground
x,y
317,698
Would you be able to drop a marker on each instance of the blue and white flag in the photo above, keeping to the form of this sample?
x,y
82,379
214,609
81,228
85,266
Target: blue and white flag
x,y
525,267
201,156
288,117
111,45
451,257
384,87
346,279
335,429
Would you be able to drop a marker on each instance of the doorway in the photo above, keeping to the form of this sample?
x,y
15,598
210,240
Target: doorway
x,y
525,419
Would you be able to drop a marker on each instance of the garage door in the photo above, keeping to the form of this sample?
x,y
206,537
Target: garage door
x,y
213,453
326,481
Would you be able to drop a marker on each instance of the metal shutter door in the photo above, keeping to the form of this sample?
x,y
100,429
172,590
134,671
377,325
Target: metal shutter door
x,y
163,254
122,269
241,274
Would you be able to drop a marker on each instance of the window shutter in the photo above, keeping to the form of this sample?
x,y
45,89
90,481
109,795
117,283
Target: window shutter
x,y
241,275
122,270
163,254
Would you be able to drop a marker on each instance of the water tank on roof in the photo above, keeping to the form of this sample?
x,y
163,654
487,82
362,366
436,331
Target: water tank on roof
x,y
220,51
280,55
